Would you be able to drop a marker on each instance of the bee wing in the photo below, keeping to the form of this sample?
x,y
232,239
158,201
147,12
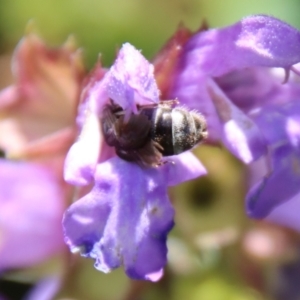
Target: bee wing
x,y
147,156
109,126
150,155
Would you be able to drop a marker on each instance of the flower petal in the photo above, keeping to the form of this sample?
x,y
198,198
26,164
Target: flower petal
x,y
93,95
251,88
287,213
89,148
254,41
43,98
293,130
83,156
131,80
183,167
280,123
241,135
31,202
279,186
191,91
124,220
45,289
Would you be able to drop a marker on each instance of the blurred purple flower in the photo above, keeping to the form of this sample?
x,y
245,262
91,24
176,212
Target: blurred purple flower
x,y
253,42
45,289
126,217
230,75
32,204
276,195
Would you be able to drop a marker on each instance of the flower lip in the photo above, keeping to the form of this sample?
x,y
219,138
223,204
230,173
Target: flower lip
x,y
116,226
126,217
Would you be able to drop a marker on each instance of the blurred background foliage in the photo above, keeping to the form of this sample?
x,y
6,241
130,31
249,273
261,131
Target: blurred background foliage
x,y
101,26
215,252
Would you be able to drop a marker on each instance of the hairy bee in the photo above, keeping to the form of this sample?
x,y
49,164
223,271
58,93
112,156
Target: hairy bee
x,y
155,131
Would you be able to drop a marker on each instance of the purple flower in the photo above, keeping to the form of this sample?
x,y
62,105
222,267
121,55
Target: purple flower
x,y
129,82
276,194
125,218
253,42
32,203
230,75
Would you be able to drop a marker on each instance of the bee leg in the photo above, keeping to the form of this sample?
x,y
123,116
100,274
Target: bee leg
x,y
169,102
164,162
149,155
141,107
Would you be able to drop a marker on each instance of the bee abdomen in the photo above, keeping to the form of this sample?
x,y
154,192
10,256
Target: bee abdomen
x,y
183,130
162,129
177,130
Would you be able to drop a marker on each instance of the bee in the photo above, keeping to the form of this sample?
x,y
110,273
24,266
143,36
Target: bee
x,y
155,131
